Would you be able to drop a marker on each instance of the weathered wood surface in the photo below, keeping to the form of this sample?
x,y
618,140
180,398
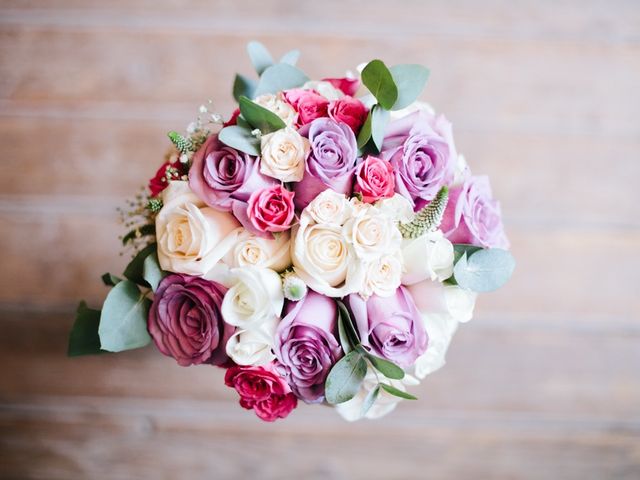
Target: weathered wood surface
x,y
544,383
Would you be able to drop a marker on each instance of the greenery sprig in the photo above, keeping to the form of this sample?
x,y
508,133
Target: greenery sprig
x,y
429,218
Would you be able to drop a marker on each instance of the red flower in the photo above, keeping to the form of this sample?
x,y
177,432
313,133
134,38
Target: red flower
x,y
308,103
350,111
262,390
234,118
348,86
271,209
167,172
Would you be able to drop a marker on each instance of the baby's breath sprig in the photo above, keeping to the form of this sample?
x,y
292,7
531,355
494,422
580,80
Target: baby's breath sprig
x,y
138,218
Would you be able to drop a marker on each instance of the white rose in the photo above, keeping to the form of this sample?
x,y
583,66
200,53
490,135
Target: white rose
x,y
323,259
397,207
253,346
385,403
329,207
417,106
255,298
429,256
253,251
192,237
326,89
277,105
372,233
382,276
440,329
460,302
283,154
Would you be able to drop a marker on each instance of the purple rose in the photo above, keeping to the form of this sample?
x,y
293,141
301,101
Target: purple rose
x,y
420,147
306,344
390,326
473,216
224,178
185,320
331,162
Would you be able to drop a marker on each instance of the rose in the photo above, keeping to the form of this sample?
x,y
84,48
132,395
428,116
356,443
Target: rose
x,y
348,86
382,276
420,147
309,104
429,256
185,321
397,207
192,237
223,177
253,346
255,251
329,207
255,297
326,89
372,233
348,110
263,390
473,216
374,179
282,155
169,171
278,105
391,327
306,344
271,209
331,161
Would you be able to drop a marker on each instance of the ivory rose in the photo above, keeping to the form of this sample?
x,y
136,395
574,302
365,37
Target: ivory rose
x,y
278,105
429,256
372,233
283,153
329,207
192,237
324,88
382,276
253,346
253,251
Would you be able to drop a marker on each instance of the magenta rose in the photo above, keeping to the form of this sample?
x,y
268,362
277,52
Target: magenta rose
x,y
348,110
223,177
473,216
185,320
391,327
306,344
420,147
374,179
331,161
271,209
262,390
348,86
308,103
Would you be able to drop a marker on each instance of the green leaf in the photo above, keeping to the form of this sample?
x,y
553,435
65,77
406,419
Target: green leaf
x,y
240,138
410,80
460,248
243,86
291,57
123,323
378,79
260,56
280,76
370,399
397,392
345,378
259,117
84,339
135,270
379,120
385,367
110,280
152,272
139,232
485,270
346,331
365,131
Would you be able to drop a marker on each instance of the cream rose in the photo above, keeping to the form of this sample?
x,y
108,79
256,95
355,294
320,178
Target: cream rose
x,y
277,105
283,154
429,256
329,207
253,346
192,237
382,276
397,207
372,233
326,89
254,298
253,251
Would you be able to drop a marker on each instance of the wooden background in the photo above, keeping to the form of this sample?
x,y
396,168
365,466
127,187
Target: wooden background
x,y
543,383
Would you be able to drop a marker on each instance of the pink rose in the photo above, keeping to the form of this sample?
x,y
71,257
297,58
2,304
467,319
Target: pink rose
x,y
271,209
350,111
309,104
262,390
374,179
473,216
348,86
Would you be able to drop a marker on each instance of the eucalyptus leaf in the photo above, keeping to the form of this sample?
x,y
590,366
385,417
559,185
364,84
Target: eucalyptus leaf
x,y
291,57
385,367
378,79
243,86
241,139
139,232
379,120
410,80
485,270
346,324
280,76
123,322
259,117
396,392
370,399
345,342
345,378
365,132
84,339
260,56
110,280
460,248
152,272
135,270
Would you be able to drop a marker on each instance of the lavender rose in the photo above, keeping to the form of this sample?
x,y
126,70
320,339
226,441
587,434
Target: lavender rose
x,y
331,161
306,344
473,216
390,326
420,148
185,320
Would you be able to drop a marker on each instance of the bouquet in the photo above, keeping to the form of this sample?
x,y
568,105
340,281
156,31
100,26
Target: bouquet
x,y
320,245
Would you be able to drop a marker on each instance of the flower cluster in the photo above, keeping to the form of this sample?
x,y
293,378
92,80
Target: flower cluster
x,y
279,252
